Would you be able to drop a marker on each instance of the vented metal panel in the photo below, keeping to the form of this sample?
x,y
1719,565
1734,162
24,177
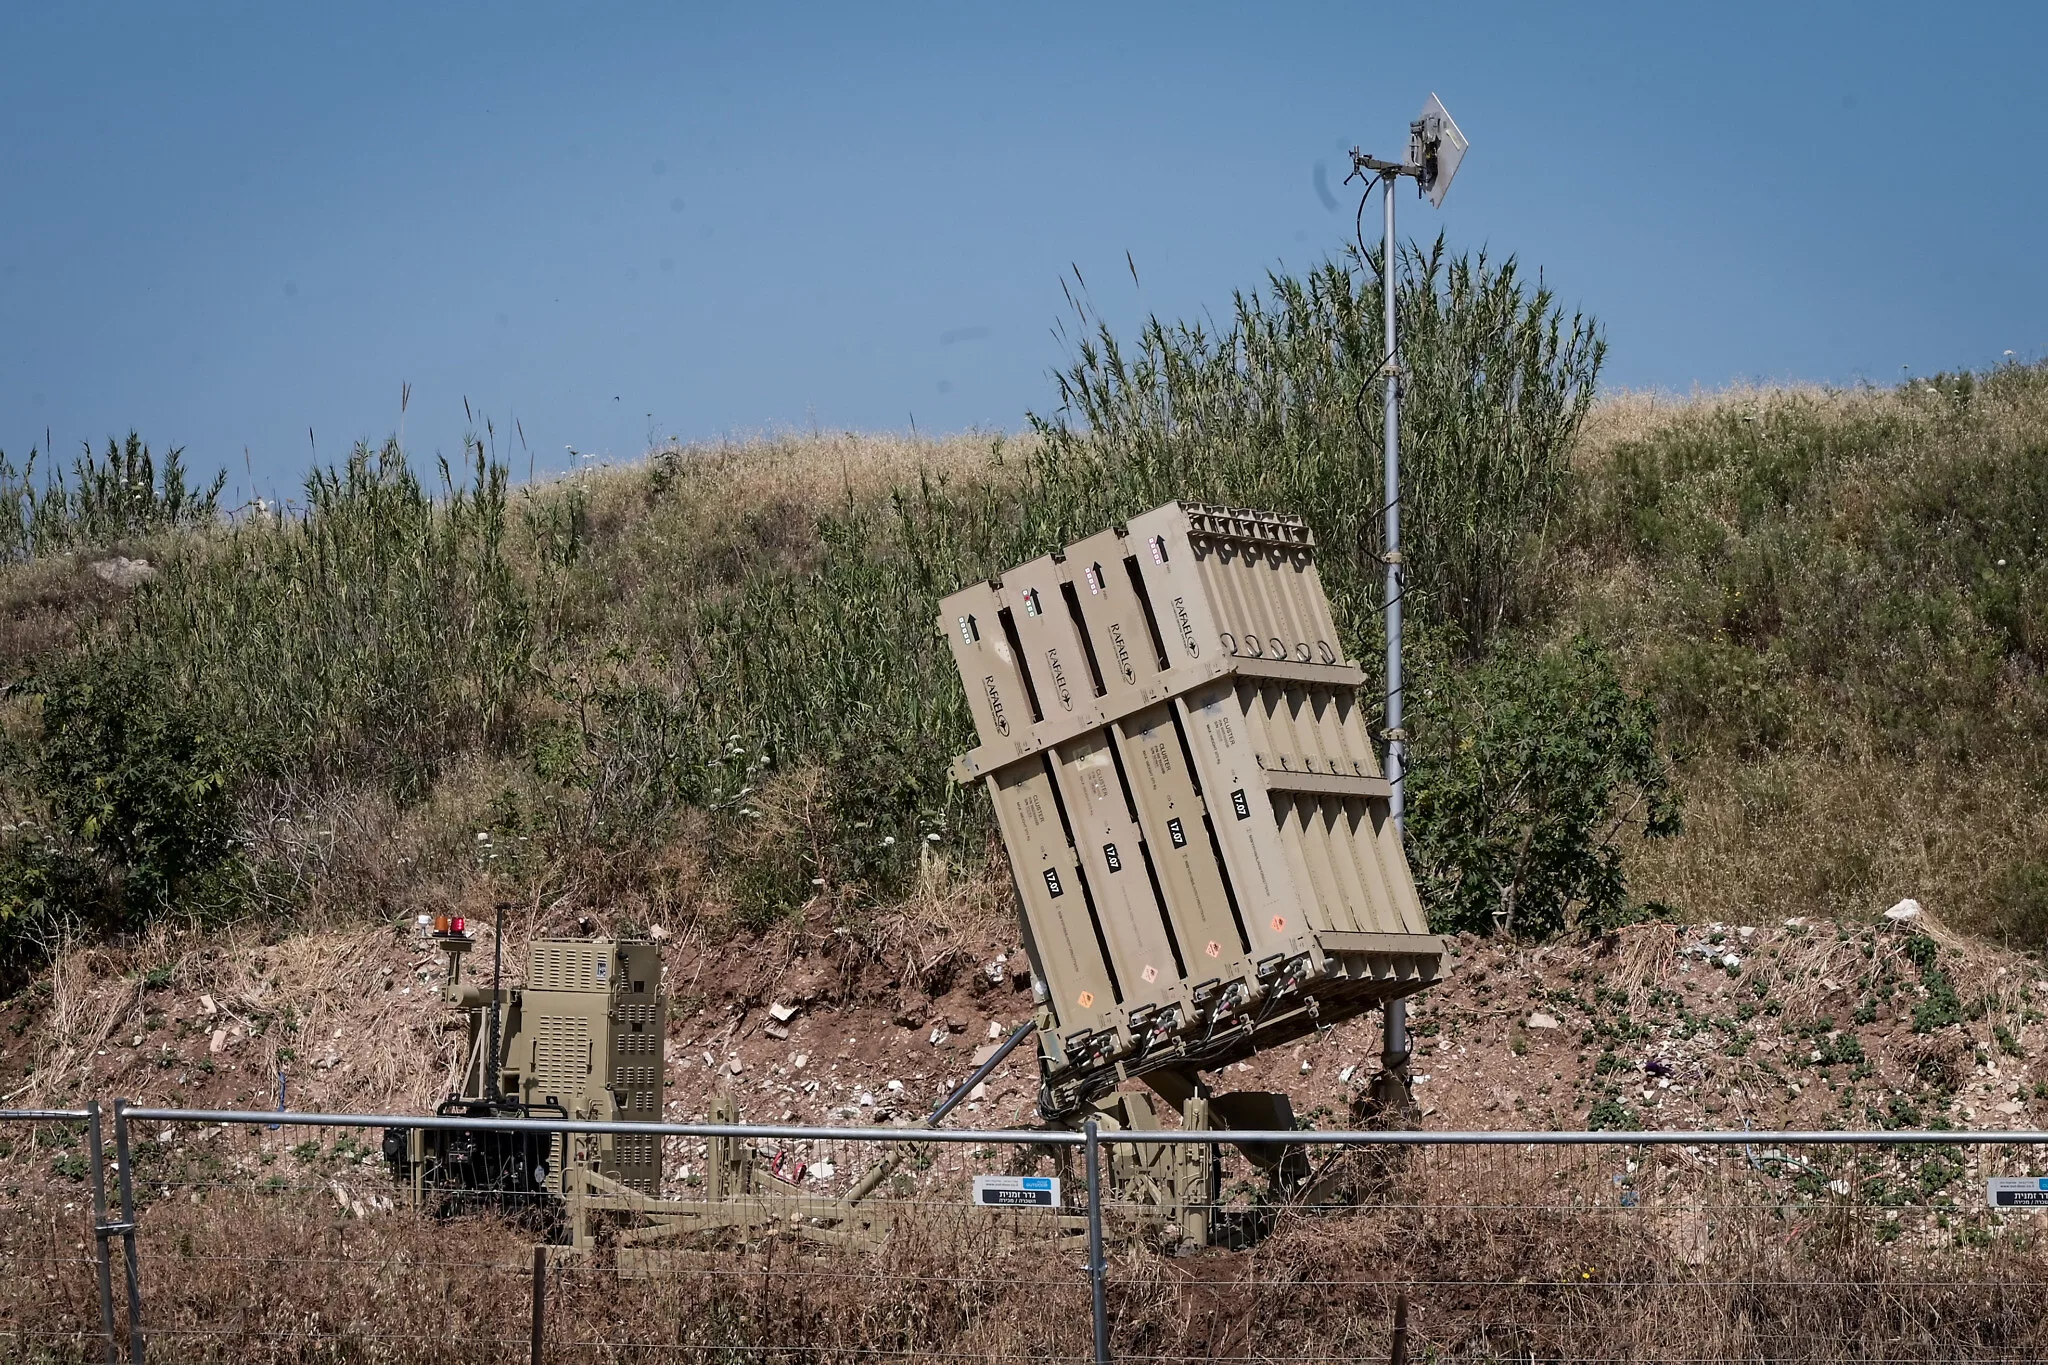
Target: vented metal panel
x,y
561,1054
1172,739
569,966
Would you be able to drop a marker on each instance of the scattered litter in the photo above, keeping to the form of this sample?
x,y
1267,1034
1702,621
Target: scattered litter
x,y
1542,1020
775,1031
895,1085
206,1003
800,1061
1344,1076
938,1036
220,1040
781,1013
980,1091
1730,961
1907,909
735,1066
982,1054
995,1028
867,1101
1838,1187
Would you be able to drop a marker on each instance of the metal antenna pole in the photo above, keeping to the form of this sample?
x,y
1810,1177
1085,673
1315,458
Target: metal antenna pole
x,y
1394,1015
497,1004
1396,737
1435,147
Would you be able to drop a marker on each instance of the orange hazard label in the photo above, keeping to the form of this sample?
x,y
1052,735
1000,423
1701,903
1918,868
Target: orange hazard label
x,y
1279,923
1150,974
1086,999
1214,949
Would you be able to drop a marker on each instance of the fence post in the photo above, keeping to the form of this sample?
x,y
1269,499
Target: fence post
x,y
124,1169
101,1229
540,1298
1400,1352
1098,1268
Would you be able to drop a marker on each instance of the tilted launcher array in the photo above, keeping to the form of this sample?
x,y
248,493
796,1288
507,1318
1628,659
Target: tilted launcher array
x,y
1197,825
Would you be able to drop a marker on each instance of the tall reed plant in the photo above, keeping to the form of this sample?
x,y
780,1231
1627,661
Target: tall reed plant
x,y
102,500
1282,408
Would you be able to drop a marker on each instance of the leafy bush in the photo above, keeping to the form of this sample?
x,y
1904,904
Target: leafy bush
x,y
130,776
1528,770
142,805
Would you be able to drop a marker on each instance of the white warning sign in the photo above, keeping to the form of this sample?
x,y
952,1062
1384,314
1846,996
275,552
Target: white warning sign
x,y
1017,1191
2017,1191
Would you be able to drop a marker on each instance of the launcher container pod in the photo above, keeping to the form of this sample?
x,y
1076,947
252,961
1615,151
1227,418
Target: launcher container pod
x,y
1196,822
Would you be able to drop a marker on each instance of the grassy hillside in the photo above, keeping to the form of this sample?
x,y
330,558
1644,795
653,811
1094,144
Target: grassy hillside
x,y
1744,656
1838,602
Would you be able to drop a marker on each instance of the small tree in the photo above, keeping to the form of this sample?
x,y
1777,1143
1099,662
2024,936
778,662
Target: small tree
x,y
1528,769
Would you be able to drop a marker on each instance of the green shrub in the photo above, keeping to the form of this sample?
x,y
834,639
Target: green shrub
x,y
1610,1114
130,775
1529,768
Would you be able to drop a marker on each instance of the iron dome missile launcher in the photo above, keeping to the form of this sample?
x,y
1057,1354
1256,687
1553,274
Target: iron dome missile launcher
x,y
1196,821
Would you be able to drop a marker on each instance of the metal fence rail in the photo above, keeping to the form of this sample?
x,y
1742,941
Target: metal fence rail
x,y
29,1209
271,1236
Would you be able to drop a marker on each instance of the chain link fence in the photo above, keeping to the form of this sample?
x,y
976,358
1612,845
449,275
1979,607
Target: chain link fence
x,y
185,1235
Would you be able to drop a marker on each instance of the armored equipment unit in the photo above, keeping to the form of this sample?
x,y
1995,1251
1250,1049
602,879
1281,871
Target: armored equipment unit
x,y
583,1038
1196,822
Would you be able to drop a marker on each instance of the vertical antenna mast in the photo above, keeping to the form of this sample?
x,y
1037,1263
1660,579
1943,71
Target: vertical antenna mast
x,y
1435,147
1397,738
497,1004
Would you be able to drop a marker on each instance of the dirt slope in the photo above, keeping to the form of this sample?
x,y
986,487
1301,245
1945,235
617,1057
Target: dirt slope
x,y
1809,1025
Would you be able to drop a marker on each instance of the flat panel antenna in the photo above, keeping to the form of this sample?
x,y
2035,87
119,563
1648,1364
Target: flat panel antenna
x,y
1435,147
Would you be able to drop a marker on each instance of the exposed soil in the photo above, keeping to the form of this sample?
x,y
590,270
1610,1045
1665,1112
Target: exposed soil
x,y
1809,1025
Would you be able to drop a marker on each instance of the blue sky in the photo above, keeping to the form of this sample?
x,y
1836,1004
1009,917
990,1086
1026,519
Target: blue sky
x,y
223,226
